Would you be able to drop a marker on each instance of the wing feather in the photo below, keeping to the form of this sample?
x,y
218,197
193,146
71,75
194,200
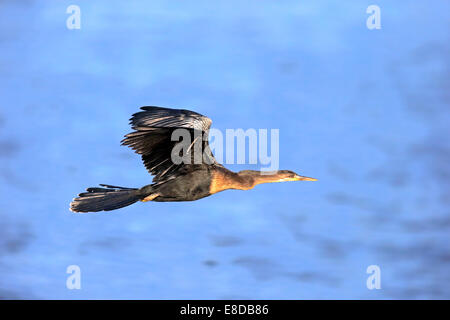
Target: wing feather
x,y
152,138
157,117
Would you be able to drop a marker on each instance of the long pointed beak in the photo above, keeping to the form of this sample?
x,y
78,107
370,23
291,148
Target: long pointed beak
x,y
301,178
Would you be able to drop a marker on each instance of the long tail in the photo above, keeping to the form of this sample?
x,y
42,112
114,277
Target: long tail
x,y
105,199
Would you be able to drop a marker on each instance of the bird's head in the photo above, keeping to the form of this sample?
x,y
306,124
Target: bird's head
x,y
287,175
274,176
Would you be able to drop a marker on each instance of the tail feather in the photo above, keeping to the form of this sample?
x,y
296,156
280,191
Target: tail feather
x,y
105,199
115,187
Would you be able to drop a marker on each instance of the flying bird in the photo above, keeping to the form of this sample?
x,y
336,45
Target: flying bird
x,y
173,181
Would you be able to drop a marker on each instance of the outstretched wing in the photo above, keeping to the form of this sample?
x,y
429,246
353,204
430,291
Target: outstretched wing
x,y
152,138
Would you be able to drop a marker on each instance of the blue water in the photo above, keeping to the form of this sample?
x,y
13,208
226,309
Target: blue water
x,y
364,111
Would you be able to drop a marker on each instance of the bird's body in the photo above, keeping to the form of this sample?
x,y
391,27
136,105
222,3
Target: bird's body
x,y
188,186
173,181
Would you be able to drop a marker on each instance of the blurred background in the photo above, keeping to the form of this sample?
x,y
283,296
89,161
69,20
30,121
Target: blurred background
x,y
364,111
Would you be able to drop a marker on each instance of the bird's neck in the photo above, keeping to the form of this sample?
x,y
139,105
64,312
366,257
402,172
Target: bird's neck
x,y
243,180
259,177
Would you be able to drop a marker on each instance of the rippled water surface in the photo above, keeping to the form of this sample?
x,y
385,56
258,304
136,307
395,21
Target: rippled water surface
x,y
364,111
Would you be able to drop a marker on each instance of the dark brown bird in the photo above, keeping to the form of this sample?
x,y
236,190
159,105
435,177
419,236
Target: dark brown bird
x,y
152,139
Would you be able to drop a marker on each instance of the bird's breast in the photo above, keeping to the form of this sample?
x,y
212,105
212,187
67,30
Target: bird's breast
x,y
221,180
